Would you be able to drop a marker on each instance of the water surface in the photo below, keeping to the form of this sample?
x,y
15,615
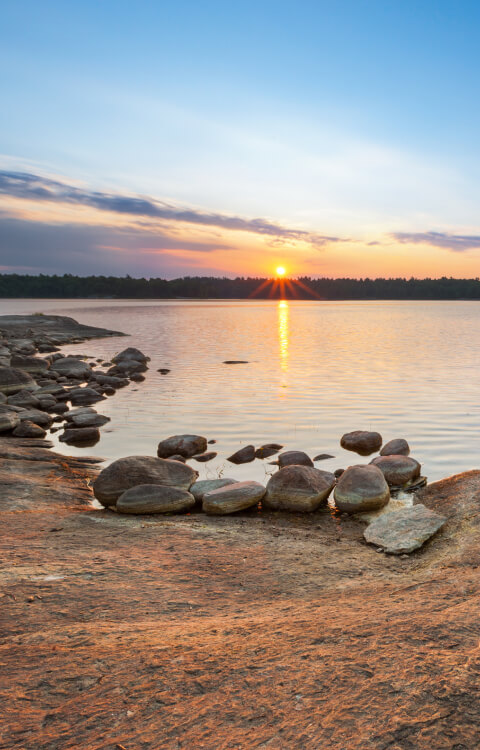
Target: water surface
x,y
315,370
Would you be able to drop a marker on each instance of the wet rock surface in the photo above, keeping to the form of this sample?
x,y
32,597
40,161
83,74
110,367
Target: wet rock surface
x,y
397,447
360,489
243,456
186,620
300,489
185,445
362,442
397,470
405,530
289,458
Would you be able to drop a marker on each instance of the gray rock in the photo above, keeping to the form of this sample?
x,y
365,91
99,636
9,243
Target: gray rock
x,y
29,364
300,489
130,354
89,420
177,457
360,489
45,403
243,456
202,486
72,367
185,445
85,396
294,458
8,420
131,471
24,398
111,380
28,429
79,435
267,450
397,470
232,498
57,329
397,447
3,398
36,416
13,380
127,367
405,530
362,442
155,498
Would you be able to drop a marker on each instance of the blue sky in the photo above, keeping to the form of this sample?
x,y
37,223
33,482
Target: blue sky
x,y
354,121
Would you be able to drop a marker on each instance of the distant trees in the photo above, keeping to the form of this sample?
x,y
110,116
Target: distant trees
x,y
205,287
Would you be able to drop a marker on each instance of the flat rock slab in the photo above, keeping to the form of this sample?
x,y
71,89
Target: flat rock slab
x,y
32,325
155,498
404,531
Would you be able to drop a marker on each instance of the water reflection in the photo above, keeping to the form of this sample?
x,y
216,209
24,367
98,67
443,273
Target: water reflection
x,y
283,334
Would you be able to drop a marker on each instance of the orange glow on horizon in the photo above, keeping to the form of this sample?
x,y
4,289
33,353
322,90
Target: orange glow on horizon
x,y
280,271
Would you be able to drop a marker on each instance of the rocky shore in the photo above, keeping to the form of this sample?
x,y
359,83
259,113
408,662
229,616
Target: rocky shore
x,y
199,626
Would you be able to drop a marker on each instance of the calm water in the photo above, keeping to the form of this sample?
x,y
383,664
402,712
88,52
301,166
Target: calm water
x,y
316,370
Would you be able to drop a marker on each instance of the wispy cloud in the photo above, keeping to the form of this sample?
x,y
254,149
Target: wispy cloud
x,y
33,187
457,242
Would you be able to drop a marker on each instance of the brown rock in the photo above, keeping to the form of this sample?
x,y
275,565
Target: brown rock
x,y
362,442
397,470
361,488
267,450
397,447
186,445
13,380
243,456
28,429
299,458
300,489
232,498
155,498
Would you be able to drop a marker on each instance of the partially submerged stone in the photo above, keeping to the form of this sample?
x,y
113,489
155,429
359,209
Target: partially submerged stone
x,y
397,447
72,367
243,456
85,396
131,471
185,445
362,442
232,498
300,489
80,435
36,416
89,420
202,486
267,450
130,354
298,458
360,489
397,470
13,380
405,530
155,498
204,457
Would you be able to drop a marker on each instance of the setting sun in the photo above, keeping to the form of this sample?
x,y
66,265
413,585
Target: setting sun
x,y
280,271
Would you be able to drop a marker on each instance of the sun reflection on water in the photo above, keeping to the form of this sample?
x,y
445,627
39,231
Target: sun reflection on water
x,y
283,334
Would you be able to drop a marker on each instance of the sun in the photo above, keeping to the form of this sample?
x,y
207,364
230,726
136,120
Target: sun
x,y
280,271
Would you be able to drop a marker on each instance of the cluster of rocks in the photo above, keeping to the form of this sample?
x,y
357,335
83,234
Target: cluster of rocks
x,y
38,391
167,484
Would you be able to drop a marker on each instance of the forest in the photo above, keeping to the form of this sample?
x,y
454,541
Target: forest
x,y
206,287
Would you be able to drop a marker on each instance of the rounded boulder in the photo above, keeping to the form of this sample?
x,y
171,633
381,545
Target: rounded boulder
x,y
361,488
397,447
362,442
300,489
232,498
155,498
185,445
397,470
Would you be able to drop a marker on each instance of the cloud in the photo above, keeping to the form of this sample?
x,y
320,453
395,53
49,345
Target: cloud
x,y
456,242
29,186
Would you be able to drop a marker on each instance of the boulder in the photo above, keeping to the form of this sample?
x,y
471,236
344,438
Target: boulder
x,y
155,498
300,489
72,367
127,368
36,416
89,420
243,456
131,471
204,457
405,530
232,498
29,364
8,420
130,354
361,488
13,380
362,442
199,488
137,377
397,447
28,429
397,470
297,458
79,435
85,396
267,450
185,445
24,398
110,380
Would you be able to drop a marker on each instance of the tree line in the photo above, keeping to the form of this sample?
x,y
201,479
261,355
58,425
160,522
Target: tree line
x,y
208,287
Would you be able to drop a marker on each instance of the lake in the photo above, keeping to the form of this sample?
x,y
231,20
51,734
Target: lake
x,y
315,371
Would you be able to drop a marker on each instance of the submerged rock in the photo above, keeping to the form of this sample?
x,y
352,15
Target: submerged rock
x,y
155,498
243,456
299,489
79,435
397,447
202,486
131,471
130,355
235,361
89,420
397,470
204,457
267,450
13,380
232,498
322,457
362,442
299,458
185,445
405,530
361,488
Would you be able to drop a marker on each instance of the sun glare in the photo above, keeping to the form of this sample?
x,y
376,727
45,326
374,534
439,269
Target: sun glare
x,y
280,271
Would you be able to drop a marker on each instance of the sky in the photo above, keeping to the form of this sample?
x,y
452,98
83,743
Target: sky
x,y
184,138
